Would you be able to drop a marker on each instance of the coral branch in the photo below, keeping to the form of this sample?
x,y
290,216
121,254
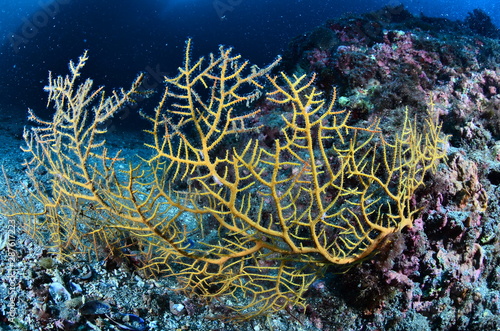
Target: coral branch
x,y
253,222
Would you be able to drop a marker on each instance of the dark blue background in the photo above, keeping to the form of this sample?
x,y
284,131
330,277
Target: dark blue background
x,y
127,36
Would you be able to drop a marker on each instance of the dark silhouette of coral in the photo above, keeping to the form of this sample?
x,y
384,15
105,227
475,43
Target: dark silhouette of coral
x,y
480,22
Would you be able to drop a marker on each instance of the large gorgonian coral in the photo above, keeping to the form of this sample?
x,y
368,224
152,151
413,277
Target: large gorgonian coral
x,y
253,222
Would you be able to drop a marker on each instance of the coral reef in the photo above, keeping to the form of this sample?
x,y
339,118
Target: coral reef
x,y
253,223
442,273
445,275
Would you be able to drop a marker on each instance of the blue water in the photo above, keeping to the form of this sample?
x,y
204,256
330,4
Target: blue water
x,y
127,36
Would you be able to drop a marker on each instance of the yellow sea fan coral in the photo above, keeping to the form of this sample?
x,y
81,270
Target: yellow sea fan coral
x,y
251,222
